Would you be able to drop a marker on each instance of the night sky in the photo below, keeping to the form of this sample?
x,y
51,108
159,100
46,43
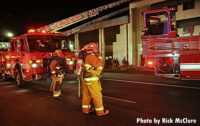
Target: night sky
x,y
18,17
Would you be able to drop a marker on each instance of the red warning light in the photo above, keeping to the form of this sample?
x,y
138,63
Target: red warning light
x,y
150,62
43,31
31,30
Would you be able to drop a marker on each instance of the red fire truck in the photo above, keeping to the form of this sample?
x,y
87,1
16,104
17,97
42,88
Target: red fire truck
x,y
29,55
163,49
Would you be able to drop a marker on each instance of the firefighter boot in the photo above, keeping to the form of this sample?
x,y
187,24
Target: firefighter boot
x,y
102,113
57,90
86,109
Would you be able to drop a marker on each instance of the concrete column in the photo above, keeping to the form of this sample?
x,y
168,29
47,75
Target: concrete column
x,y
77,47
127,43
134,17
102,43
130,45
137,22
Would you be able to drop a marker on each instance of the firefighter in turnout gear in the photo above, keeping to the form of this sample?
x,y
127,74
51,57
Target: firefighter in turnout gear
x,y
57,66
91,86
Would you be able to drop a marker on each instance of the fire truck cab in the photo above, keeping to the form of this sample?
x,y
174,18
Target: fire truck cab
x,y
30,54
169,54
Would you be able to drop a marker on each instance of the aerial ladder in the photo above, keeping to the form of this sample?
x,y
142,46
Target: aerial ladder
x,y
61,24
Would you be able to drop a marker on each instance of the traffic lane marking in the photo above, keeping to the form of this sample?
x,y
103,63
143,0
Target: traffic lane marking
x,y
119,99
155,84
23,91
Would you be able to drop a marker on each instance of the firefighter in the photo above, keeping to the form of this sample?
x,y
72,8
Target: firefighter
x,y
91,86
57,62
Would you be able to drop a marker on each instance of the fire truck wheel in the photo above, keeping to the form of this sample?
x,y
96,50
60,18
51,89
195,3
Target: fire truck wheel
x,y
19,80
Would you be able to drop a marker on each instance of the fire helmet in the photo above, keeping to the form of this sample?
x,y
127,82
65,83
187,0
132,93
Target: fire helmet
x,y
91,47
57,52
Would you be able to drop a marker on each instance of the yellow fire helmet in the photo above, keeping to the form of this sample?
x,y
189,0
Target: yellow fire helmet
x,y
91,47
57,52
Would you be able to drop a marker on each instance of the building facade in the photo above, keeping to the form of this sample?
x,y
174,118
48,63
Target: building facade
x,y
120,37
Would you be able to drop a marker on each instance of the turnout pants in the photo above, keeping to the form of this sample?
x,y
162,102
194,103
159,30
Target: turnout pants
x,y
53,85
92,92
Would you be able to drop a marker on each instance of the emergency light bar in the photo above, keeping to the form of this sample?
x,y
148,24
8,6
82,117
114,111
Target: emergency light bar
x,y
36,31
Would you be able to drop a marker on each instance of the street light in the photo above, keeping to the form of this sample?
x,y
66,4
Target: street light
x,y
9,34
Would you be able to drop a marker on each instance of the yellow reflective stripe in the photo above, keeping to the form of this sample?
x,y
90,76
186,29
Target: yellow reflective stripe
x,y
100,68
61,75
88,83
57,94
86,106
99,109
57,67
91,79
87,65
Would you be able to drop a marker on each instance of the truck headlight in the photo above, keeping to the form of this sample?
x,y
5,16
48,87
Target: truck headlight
x,y
70,62
34,65
8,65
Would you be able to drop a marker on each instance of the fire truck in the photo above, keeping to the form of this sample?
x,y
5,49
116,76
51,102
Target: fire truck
x,y
163,49
29,55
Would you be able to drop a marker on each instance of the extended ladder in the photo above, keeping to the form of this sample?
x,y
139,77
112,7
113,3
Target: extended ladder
x,y
53,27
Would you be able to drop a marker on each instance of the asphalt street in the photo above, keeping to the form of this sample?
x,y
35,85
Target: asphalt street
x,y
133,100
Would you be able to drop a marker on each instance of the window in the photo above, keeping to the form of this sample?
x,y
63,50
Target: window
x,y
41,43
188,29
188,5
20,45
157,23
185,29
